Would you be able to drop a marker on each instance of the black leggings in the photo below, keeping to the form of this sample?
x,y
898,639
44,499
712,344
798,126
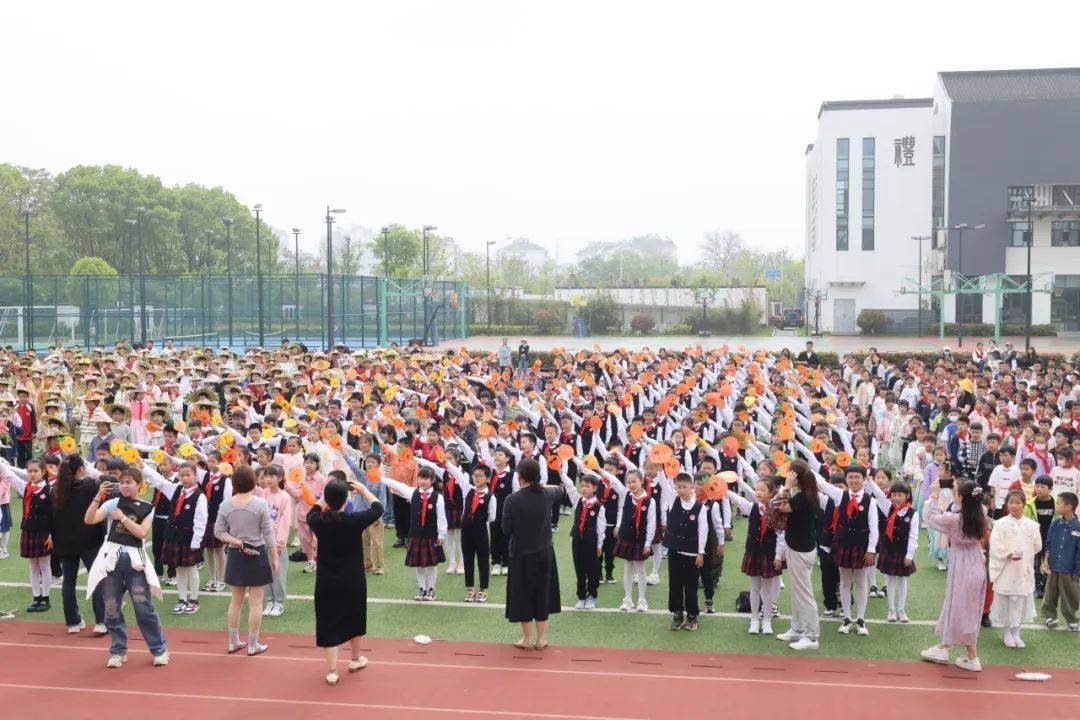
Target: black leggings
x,y
499,543
830,580
474,549
609,550
156,545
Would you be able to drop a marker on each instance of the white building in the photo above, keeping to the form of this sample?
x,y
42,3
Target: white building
x,y
884,173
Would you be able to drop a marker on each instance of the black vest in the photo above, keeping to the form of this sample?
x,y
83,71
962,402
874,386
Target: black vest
x,y
215,495
610,499
162,505
137,510
480,517
181,527
627,531
501,487
591,513
754,542
853,531
682,533
429,528
901,532
39,519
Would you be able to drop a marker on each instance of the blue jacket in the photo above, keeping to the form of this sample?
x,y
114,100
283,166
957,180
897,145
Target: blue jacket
x,y
1063,546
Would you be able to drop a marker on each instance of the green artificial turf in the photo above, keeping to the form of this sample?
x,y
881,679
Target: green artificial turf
x,y
582,628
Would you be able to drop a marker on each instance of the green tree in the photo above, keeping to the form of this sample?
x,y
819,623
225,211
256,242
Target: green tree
x,y
601,313
90,281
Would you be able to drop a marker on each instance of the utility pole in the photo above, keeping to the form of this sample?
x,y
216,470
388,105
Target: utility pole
x,y
258,274
228,271
139,212
296,261
488,253
919,270
1029,200
386,251
330,212
427,283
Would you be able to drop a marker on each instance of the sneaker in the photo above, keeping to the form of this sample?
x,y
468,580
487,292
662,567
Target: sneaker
x,y
279,609
691,624
677,622
610,579
4,554
1051,623
590,603
36,606
209,586
873,592
470,595
57,580
429,595
268,608
936,654
399,544
1073,627
941,565
310,567
828,613
100,629
709,608
789,636
380,571
161,660
755,627
257,649
451,569
192,607
420,592
580,604
627,605
845,627
891,617
653,579
775,611
481,596
860,627
902,617
985,622
971,665
804,643
116,661
298,556
170,582
642,605
179,608
496,569
76,629
1018,643
766,627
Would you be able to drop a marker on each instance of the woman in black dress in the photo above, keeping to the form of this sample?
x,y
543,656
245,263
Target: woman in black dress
x,y
340,587
532,591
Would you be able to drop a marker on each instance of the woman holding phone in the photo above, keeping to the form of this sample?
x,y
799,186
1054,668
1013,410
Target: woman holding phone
x,y
121,566
244,525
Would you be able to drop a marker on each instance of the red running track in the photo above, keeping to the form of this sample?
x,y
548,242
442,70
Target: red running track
x,y
45,673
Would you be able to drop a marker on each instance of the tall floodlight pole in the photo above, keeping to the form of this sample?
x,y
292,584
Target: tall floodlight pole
x,y
28,208
296,261
330,212
258,274
228,271
1029,200
139,212
960,228
386,251
427,282
488,253
918,269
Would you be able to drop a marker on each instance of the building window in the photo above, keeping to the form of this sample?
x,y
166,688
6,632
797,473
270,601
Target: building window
x,y
937,197
1020,235
868,193
1065,234
1066,195
841,193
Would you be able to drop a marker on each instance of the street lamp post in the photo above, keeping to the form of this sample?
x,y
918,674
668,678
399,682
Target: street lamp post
x,y
918,269
960,228
488,252
1029,200
258,274
330,212
228,271
27,209
427,282
129,224
296,261
386,251
206,283
345,291
139,212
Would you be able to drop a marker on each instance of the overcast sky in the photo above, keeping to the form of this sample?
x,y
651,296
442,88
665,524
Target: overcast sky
x,y
562,121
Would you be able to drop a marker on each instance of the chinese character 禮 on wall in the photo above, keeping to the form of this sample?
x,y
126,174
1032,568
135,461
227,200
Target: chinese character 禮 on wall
x,y
904,151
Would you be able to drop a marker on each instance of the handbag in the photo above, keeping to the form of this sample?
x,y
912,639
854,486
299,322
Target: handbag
x,y
742,602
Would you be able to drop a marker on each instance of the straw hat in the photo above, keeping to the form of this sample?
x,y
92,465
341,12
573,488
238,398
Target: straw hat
x,y
100,416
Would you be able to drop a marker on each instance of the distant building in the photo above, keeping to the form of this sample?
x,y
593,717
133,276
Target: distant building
x,y
526,250
883,172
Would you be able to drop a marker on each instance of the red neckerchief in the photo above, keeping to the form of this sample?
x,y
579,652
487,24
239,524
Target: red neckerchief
x,y
890,525
639,508
180,501
208,486
585,505
424,495
764,523
477,495
853,506
28,496
449,486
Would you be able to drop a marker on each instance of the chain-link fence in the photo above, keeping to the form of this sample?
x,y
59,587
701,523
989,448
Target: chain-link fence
x,y
225,310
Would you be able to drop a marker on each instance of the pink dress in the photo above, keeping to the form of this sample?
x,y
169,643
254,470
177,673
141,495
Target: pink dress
x,y
965,582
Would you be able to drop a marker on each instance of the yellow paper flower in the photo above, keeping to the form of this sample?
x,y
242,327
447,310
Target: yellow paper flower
x,y
116,447
187,450
131,456
290,423
158,456
68,444
268,433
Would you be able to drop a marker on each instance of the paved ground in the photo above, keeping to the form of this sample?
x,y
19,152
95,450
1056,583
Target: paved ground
x,y
1068,343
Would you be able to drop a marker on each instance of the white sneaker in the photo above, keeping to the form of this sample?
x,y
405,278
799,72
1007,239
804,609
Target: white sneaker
x,y
902,616
451,569
845,627
116,661
76,629
627,605
860,627
100,629
268,610
941,565
310,567
964,663
4,554
496,569
766,627
579,605
161,660
57,580
891,617
804,643
642,605
789,636
936,654
755,627
590,603
653,579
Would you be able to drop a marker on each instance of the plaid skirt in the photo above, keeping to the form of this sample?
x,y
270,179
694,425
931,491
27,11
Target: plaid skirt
x,y
424,552
210,540
32,544
629,550
893,564
759,565
453,517
176,555
848,556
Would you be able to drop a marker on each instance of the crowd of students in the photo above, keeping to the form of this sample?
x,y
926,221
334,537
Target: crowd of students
x,y
667,457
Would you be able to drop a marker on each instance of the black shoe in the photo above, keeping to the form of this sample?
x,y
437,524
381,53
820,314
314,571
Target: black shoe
x,y
609,578
709,609
691,623
677,621
985,621
1038,593
35,607
297,556
399,544
45,605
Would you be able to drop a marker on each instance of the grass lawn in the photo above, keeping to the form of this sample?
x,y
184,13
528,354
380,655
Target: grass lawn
x,y
404,618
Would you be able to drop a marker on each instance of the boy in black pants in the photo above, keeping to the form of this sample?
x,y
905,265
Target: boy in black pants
x,y
830,574
586,537
687,532
478,510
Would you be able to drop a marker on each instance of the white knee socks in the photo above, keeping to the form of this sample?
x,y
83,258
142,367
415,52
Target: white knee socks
x,y
454,555
425,577
848,576
657,557
634,570
897,593
187,582
40,576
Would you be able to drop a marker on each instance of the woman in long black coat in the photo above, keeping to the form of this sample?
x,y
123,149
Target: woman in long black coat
x,y
340,586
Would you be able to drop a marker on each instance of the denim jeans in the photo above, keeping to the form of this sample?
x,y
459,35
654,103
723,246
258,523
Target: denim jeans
x,y
123,579
70,569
